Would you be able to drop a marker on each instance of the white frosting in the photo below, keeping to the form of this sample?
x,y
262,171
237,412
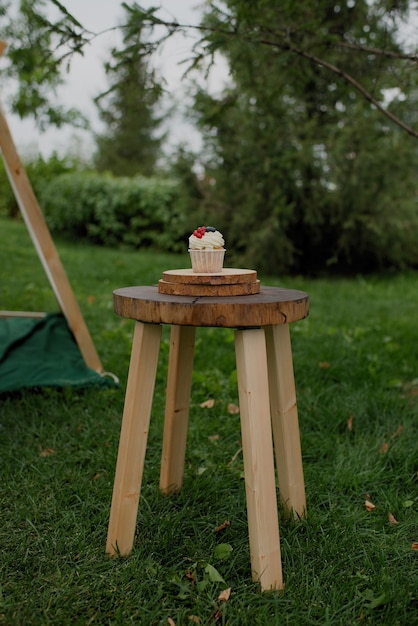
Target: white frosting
x,y
209,241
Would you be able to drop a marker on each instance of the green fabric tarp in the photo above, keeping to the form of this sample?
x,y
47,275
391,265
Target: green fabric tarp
x,y
43,353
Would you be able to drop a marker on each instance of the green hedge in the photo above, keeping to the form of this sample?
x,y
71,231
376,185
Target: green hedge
x,y
139,212
40,172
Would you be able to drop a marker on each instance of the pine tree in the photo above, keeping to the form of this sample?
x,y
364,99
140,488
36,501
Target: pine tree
x,y
130,144
307,171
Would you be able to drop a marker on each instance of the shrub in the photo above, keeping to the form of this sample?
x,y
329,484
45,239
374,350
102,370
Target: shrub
x,y
138,212
40,172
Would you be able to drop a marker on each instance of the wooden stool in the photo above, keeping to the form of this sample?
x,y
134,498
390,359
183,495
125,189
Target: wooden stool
x,y
267,402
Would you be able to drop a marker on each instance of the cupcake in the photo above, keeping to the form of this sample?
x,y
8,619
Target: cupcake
x,y
206,248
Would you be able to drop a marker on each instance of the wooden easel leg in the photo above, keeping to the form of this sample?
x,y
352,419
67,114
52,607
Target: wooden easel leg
x,y
257,447
45,247
133,438
179,383
285,420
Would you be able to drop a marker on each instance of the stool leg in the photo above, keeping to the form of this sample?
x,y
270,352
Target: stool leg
x,y
179,384
133,438
285,424
257,445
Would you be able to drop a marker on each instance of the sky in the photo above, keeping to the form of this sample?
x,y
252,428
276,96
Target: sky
x,y
87,78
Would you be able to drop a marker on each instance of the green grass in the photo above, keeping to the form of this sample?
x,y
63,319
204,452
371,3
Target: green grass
x,y
355,356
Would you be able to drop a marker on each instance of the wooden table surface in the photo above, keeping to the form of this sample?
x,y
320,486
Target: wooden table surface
x,y
273,305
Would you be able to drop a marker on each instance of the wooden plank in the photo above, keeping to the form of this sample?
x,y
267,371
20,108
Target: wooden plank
x,y
285,423
133,438
228,276
30,314
179,384
257,445
185,289
271,306
45,247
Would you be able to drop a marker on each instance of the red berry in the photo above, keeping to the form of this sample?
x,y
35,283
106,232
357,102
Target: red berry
x,y
199,232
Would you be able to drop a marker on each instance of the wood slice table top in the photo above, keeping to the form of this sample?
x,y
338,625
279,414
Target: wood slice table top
x,y
272,305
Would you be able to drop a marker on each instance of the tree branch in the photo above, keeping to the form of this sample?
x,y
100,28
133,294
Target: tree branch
x,y
349,79
150,20
378,51
322,62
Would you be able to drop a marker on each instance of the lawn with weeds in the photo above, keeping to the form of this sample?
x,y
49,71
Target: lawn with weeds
x,y
353,560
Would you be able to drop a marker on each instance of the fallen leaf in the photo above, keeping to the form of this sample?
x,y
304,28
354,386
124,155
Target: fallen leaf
x,y
392,519
398,431
47,452
91,299
213,574
384,447
222,526
223,551
208,404
171,622
195,619
324,365
213,437
374,601
350,423
96,477
190,575
414,545
369,505
224,595
233,409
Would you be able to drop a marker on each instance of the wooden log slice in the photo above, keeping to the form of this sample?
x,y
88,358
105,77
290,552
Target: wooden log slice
x,y
183,289
228,276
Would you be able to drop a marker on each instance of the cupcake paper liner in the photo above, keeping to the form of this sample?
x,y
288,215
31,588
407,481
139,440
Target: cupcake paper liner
x,y
207,261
